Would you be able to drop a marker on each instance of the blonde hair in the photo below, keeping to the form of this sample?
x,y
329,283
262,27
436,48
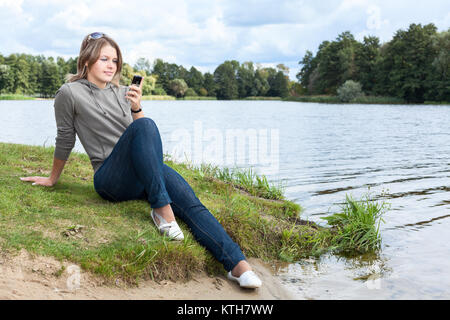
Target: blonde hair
x,y
90,52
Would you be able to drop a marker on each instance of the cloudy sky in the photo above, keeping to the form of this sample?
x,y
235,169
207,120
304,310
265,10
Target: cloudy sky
x,y
205,33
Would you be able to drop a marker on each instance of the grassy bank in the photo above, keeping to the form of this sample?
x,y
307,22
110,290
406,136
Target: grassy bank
x,y
156,97
118,240
15,97
197,98
359,100
263,98
335,99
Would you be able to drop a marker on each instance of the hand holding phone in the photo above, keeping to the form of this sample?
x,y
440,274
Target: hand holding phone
x,y
134,94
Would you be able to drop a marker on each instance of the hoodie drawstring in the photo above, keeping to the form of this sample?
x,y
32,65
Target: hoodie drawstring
x,y
96,102
99,105
118,101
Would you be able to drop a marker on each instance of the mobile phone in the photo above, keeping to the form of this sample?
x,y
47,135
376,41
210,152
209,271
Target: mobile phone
x,y
136,80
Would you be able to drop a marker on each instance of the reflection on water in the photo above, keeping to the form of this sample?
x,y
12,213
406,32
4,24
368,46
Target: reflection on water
x,y
402,153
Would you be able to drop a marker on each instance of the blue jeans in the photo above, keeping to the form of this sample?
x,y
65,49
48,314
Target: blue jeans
x,y
135,170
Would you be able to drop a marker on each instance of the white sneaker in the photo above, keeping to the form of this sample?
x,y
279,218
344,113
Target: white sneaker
x,y
170,229
248,279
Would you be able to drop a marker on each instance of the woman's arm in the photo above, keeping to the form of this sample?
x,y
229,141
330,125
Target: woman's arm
x,y
137,115
65,138
58,166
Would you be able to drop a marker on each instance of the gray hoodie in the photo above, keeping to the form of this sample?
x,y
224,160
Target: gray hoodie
x,y
98,116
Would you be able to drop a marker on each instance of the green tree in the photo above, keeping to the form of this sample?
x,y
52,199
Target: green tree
x,y
225,79
142,64
407,63
261,85
127,74
178,87
49,79
194,79
246,80
367,56
209,84
349,91
6,79
165,72
309,64
190,93
439,79
21,71
279,85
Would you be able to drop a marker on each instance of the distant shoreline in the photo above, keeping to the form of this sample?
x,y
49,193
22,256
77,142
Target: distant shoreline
x,y
314,99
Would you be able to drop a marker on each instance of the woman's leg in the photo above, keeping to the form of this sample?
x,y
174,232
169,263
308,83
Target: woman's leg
x,y
205,227
135,169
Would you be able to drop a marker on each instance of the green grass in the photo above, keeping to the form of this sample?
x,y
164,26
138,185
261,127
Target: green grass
x,y
197,98
359,100
445,103
262,98
245,179
378,100
317,99
158,97
358,225
15,97
70,221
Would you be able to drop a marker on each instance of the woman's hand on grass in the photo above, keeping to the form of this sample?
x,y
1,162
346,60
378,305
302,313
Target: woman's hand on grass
x,y
42,181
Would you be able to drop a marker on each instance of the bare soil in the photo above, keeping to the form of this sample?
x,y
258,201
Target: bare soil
x,y
28,277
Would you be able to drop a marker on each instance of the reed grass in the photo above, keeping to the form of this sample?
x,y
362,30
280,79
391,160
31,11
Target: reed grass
x,y
358,225
245,179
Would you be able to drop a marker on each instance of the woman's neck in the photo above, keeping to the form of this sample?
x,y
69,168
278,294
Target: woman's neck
x,y
99,84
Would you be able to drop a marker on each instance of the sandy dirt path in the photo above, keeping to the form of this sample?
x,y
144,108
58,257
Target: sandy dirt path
x,y
33,277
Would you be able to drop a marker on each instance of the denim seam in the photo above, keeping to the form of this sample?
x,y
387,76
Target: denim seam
x,y
187,217
163,196
114,199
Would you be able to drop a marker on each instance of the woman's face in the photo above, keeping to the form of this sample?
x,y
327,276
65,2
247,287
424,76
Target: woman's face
x,y
104,69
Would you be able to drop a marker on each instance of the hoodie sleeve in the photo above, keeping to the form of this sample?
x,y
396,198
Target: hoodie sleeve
x,y
64,116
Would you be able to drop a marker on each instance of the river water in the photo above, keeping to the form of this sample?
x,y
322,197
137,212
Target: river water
x,y
320,153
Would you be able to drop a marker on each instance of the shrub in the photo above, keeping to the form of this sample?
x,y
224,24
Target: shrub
x,y
159,92
349,91
190,93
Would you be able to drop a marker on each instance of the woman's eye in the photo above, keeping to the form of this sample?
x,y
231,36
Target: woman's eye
x,y
105,59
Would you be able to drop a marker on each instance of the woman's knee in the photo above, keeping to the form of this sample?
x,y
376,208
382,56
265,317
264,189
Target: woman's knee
x,y
144,123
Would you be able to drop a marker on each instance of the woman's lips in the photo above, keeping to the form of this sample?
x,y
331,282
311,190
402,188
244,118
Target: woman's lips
x,y
109,73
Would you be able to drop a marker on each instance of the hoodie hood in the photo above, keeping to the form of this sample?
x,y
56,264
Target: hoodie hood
x,y
109,87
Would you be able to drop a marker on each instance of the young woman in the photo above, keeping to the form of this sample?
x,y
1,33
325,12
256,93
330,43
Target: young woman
x,y
125,151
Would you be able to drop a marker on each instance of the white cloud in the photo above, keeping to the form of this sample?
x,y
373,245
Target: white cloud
x,y
374,21
205,33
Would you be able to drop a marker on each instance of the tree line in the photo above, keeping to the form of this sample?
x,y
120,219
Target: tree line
x,y
40,76
414,65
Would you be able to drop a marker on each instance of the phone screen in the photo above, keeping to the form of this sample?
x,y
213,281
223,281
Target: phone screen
x,y
136,80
